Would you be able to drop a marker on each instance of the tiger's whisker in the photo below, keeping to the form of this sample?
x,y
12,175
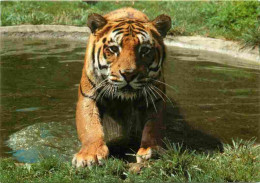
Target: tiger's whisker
x,y
110,91
152,87
164,95
99,85
145,96
165,84
151,91
150,95
114,91
101,92
105,92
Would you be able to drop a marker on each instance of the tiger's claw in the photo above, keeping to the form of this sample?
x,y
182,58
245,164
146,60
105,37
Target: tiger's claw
x,y
89,158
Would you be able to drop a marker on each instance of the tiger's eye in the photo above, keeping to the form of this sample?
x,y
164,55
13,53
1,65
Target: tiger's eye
x,y
114,49
145,50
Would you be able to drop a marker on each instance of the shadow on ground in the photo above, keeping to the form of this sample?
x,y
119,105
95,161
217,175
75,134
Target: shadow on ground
x,y
176,131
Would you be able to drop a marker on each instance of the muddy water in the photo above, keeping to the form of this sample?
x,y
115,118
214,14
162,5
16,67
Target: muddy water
x,y
212,102
217,99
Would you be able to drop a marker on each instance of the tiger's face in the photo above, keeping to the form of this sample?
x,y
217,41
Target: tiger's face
x,y
128,57
127,54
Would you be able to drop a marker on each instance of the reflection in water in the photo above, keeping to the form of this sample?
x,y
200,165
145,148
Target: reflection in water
x,y
39,82
29,109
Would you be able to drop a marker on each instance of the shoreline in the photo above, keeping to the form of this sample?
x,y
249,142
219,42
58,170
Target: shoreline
x,y
220,46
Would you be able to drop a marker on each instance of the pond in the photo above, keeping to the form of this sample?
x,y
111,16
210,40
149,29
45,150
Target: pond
x,y
211,101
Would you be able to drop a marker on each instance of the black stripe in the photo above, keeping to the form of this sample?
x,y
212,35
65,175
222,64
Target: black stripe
x,y
140,25
111,40
104,55
142,34
103,76
120,24
118,29
120,32
142,30
99,65
154,69
120,20
91,82
130,21
85,95
138,41
93,55
94,60
132,26
158,52
115,81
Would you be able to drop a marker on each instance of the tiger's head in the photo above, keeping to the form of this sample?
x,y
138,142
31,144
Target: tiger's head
x,y
126,53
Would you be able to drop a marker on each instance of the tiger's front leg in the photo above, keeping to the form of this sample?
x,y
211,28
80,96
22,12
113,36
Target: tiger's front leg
x,y
90,133
151,136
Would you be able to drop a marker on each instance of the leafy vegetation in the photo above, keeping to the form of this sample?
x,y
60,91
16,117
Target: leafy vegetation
x,y
233,20
239,163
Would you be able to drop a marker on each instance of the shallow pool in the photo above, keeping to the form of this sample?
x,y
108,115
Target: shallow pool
x,y
212,102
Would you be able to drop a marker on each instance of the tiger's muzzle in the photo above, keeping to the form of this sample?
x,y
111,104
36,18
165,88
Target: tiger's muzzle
x,y
128,80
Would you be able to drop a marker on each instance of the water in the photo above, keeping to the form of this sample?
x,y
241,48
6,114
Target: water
x,y
220,100
39,79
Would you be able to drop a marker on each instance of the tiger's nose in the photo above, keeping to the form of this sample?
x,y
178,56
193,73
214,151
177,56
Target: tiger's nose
x,y
128,74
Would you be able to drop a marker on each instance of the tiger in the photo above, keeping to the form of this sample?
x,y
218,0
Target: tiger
x,y
122,78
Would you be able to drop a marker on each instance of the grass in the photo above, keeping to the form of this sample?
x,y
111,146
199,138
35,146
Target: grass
x,y
238,163
231,20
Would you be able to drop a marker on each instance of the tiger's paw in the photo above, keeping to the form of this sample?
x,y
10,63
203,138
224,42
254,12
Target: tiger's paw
x,y
89,156
147,153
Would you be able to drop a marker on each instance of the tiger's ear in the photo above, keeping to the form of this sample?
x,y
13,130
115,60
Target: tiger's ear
x,y
163,24
96,21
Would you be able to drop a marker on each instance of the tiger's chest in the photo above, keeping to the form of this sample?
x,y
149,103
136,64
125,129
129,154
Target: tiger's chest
x,y
122,118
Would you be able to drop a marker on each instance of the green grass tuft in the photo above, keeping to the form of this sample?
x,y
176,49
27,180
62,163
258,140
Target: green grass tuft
x,y
238,163
232,20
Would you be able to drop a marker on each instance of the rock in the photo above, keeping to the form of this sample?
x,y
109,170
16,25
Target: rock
x,y
135,167
42,140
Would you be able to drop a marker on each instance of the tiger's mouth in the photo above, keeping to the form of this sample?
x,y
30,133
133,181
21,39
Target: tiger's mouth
x,y
127,88
112,91
128,92
124,91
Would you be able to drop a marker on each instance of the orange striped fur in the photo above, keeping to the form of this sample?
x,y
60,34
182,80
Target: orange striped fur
x,y
122,78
